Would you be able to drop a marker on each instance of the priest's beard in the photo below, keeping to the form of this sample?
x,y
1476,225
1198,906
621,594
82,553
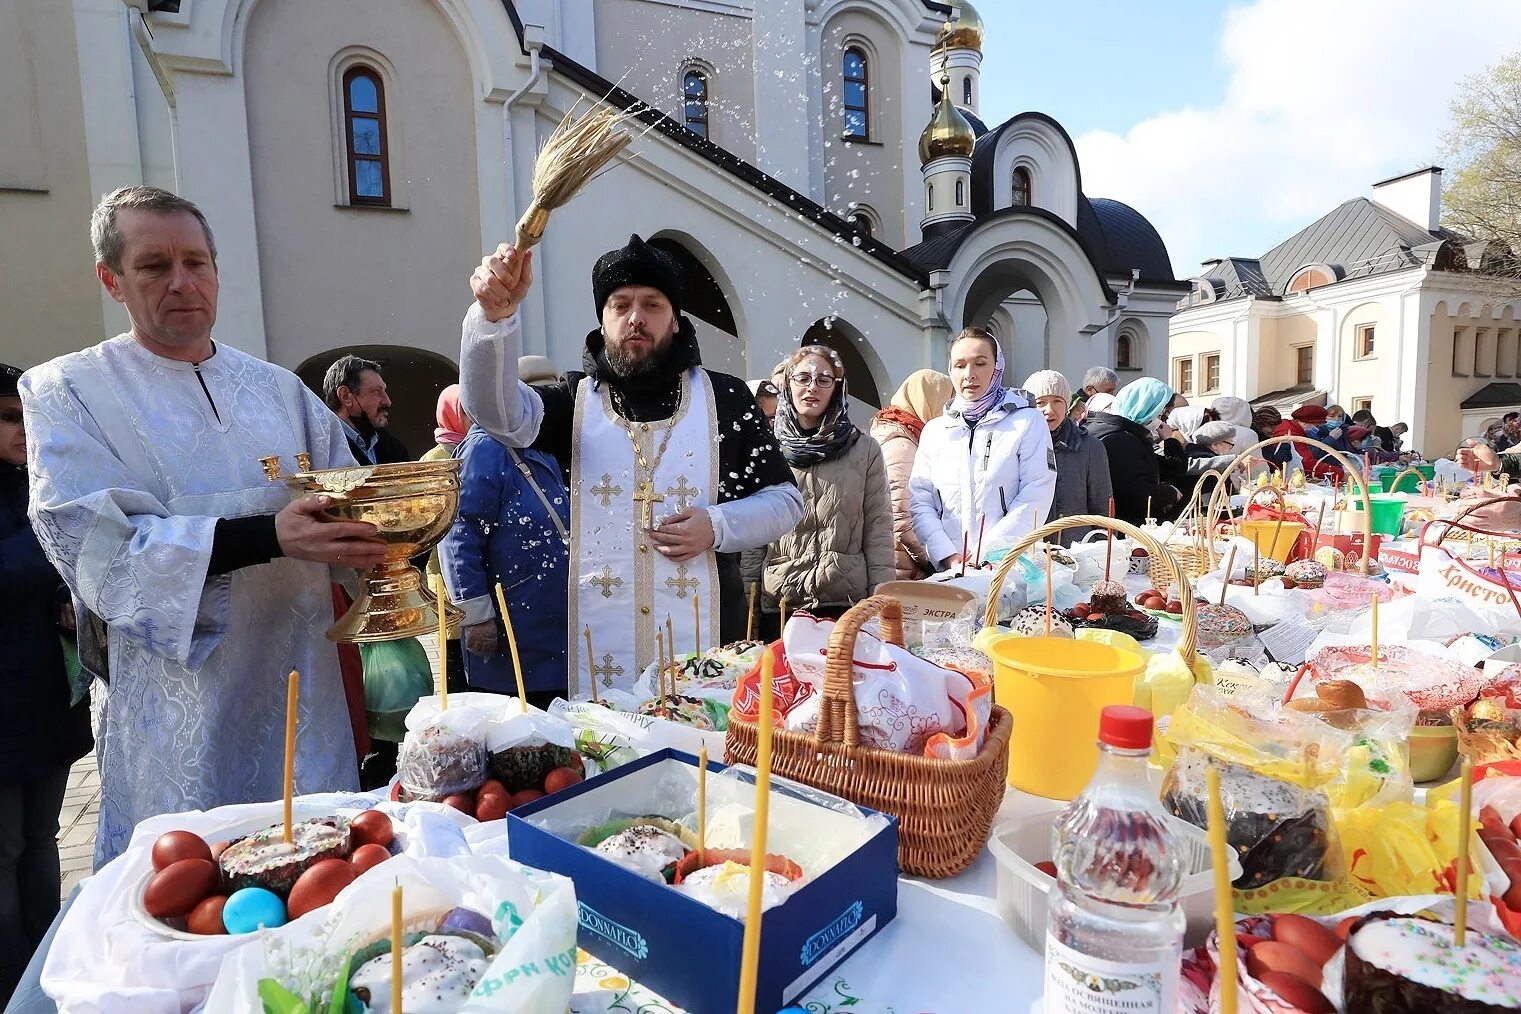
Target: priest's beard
x,y
630,364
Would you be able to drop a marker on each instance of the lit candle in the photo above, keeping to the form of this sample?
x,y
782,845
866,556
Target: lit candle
x,y
512,647
591,666
1465,828
292,692
396,949
1225,909
443,642
750,954
702,806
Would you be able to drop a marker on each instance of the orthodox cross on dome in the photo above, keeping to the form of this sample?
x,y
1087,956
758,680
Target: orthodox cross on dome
x,y
607,671
682,493
607,581
606,491
681,582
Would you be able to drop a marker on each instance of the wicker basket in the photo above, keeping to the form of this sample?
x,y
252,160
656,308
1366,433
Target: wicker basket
x,y
945,808
1172,571
1482,746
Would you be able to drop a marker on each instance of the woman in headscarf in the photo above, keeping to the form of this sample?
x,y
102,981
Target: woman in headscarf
x,y
511,530
1082,469
843,546
1146,459
985,472
896,428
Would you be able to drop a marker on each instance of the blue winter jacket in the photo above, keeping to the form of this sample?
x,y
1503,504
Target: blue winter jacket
x,y
503,533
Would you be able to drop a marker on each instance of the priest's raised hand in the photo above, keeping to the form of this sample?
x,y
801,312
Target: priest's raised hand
x,y
305,533
501,282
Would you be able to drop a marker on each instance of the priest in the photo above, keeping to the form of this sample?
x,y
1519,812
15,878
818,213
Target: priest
x,y
199,584
673,468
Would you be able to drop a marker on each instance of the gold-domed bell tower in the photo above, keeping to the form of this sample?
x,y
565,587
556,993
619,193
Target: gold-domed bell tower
x,y
958,56
945,158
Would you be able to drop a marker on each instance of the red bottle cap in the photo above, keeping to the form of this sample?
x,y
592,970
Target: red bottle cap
x,y
1125,726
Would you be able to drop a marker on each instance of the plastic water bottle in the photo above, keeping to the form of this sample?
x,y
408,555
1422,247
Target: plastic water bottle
x,y
1114,932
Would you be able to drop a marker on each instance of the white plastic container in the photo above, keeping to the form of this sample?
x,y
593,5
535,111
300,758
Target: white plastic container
x,y
1018,844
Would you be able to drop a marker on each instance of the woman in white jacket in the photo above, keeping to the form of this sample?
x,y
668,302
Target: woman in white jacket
x,y
988,459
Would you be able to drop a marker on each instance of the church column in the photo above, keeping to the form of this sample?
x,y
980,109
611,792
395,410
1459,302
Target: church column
x,y
783,139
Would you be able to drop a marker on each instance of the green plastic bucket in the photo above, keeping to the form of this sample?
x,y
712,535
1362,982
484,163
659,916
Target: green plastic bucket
x,y
1388,513
1407,483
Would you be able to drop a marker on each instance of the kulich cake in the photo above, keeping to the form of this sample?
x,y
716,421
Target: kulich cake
x,y
1403,964
439,971
1263,570
435,762
1031,622
1109,597
1331,558
689,711
648,846
526,767
724,885
264,859
1306,573
1221,625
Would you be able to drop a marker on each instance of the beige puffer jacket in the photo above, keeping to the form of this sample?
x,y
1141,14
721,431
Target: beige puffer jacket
x,y
899,445
843,546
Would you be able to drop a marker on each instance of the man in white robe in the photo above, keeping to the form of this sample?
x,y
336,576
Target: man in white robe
x,y
673,468
209,583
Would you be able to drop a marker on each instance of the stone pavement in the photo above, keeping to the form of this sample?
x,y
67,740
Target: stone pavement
x,y
81,807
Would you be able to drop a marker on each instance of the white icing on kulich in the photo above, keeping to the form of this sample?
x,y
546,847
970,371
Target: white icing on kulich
x,y
1487,969
645,850
438,973
726,887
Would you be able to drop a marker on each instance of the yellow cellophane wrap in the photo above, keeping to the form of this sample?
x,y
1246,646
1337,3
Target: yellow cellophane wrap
x,y
1405,848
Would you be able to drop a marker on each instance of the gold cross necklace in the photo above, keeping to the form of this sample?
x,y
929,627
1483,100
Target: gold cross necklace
x,y
644,489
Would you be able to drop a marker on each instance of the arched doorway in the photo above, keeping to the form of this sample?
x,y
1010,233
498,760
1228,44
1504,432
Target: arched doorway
x,y
414,378
864,372
705,299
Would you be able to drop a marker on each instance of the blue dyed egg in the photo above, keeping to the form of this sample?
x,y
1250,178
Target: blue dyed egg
x,y
252,907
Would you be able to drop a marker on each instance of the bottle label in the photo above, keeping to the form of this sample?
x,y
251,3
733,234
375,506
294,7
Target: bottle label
x,y
1080,984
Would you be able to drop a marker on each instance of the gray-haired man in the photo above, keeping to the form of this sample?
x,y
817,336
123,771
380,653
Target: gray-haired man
x,y
356,392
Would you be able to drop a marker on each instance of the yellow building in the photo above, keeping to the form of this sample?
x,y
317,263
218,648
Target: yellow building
x,y
1373,305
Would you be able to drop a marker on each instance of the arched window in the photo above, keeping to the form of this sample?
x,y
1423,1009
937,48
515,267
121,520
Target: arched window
x,y
1021,193
966,90
364,113
931,204
1124,351
694,87
857,122
1311,277
960,193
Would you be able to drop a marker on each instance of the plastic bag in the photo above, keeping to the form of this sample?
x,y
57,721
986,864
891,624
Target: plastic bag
x,y
1274,773
397,674
1406,849
439,760
532,916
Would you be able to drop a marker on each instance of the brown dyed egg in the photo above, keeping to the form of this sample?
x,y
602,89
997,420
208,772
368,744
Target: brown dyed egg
x,y
206,918
462,802
1307,936
1047,867
1295,991
490,806
561,778
368,856
1272,956
371,828
518,799
172,846
178,888
217,849
318,886
1345,926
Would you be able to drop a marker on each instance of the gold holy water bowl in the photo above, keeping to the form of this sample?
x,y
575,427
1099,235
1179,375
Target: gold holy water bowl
x,y
412,504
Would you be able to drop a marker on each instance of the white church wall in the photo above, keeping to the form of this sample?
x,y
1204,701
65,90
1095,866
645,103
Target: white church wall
x,y
1040,148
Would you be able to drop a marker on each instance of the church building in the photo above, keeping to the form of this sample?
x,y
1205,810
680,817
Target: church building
x,y
821,169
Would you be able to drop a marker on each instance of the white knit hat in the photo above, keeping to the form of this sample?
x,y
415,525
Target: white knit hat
x,y
1214,433
1049,384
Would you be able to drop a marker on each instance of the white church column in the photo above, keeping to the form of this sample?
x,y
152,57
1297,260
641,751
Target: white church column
x,y
1407,384
782,134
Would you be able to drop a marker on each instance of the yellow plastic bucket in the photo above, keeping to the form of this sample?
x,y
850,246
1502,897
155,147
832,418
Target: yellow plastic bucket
x,y
1274,547
1055,688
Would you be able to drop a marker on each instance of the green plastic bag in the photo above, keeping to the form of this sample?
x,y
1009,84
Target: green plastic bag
x,y
396,674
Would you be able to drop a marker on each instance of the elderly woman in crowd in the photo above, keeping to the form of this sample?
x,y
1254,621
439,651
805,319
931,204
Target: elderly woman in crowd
x,y
896,428
1082,467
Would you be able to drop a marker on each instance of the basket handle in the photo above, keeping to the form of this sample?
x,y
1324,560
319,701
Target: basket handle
x,y
1187,645
838,719
1220,498
1457,523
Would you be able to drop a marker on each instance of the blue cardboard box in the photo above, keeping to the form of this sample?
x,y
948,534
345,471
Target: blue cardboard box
x,y
685,950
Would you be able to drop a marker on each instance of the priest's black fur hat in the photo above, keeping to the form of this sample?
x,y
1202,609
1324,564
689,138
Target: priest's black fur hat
x,y
636,264
9,376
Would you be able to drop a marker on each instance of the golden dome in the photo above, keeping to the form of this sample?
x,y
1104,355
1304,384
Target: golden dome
x,y
949,133
963,33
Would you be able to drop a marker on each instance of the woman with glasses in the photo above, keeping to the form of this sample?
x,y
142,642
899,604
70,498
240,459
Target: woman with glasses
x,y
51,730
986,473
843,546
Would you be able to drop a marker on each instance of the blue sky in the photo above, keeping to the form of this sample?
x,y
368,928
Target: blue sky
x,y
1232,125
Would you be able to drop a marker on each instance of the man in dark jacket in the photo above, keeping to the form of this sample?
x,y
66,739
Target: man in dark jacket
x,y
356,392
47,732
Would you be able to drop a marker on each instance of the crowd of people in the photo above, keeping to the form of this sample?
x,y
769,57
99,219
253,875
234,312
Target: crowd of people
x,y
153,566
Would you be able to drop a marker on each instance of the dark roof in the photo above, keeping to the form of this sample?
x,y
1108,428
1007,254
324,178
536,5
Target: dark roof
x,y
936,251
1496,395
1299,394
1128,240
1239,276
724,159
984,186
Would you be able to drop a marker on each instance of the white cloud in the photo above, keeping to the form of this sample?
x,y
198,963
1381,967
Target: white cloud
x,y
1323,99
